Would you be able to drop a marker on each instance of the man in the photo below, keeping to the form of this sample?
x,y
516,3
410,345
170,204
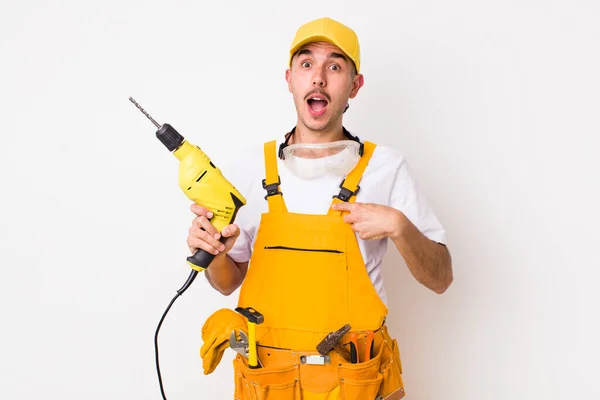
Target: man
x,y
306,249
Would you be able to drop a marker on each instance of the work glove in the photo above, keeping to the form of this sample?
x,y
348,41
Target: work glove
x,y
216,333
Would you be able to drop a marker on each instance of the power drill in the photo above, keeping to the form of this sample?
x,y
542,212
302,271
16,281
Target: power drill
x,y
204,184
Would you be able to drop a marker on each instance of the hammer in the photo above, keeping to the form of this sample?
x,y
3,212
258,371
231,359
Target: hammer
x,y
254,318
331,342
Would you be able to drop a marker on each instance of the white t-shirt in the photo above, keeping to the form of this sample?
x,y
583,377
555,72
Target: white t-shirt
x,y
386,181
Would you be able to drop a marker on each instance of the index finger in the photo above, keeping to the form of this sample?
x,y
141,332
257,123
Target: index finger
x,y
201,211
343,206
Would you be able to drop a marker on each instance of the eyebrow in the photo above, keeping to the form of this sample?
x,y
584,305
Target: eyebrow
x,y
331,55
337,55
304,51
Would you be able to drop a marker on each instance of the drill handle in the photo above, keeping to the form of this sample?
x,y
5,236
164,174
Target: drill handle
x,y
201,259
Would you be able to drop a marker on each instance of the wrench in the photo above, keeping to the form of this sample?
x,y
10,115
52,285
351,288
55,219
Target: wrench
x,y
240,346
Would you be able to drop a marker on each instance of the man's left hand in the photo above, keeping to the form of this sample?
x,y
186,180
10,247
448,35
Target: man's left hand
x,y
373,221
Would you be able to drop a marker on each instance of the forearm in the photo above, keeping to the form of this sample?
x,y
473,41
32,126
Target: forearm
x,y
429,262
224,274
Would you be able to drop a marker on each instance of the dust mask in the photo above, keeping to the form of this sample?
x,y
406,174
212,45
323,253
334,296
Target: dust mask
x,y
312,160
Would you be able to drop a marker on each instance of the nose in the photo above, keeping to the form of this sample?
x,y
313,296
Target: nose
x,y
318,79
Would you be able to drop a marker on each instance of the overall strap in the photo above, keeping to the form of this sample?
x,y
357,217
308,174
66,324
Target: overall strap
x,y
271,184
349,186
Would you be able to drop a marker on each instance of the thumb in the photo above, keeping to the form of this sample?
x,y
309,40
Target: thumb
x,y
231,231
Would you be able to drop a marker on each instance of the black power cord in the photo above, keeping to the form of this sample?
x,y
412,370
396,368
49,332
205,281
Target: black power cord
x,y
186,285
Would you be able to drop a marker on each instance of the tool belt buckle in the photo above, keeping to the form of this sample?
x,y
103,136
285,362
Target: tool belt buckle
x,y
315,360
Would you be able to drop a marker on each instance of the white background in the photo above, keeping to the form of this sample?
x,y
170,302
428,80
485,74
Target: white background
x,y
495,104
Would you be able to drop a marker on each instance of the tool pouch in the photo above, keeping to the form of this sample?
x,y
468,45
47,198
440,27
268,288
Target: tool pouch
x,y
284,376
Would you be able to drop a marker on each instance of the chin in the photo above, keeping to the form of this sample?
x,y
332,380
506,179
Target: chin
x,y
317,127
314,124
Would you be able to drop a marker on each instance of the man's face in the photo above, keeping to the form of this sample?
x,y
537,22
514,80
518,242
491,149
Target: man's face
x,y
322,79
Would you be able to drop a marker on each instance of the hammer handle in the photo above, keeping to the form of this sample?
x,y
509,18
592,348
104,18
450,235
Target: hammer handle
x,y
341,350
252,356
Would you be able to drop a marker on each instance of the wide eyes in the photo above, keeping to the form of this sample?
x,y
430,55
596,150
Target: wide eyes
x,y
333,67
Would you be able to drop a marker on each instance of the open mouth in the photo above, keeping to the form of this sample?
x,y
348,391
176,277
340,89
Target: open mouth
x,y
317,104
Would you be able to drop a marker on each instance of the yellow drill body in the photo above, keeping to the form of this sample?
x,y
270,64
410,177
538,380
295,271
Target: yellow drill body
x,y
204,184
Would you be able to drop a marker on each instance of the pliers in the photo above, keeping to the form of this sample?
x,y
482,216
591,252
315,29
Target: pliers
x,y
369,347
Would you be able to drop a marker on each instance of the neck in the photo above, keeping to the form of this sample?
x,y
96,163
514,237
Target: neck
x,y
303,134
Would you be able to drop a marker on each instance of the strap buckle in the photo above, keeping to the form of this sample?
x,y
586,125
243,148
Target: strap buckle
x,y
346,193
315,360
272,188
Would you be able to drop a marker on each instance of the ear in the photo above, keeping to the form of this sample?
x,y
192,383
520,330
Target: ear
x,y
288,78
357,83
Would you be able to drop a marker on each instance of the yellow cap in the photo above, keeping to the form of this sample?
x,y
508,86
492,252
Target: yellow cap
x,y
328,30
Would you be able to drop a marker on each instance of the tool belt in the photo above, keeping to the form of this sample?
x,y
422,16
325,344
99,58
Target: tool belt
x,y
307,375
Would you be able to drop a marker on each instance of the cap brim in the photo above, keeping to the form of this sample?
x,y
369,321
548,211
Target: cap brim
x,y
312,39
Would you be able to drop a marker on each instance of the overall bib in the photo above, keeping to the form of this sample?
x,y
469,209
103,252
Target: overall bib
x,y
307,278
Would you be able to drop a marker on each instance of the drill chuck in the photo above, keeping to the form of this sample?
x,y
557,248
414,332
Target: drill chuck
x,y
169,137
165,133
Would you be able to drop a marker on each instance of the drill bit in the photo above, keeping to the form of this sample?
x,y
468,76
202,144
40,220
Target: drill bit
x,y
144,112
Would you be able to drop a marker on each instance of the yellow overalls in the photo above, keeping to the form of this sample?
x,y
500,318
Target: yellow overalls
x,y
307,278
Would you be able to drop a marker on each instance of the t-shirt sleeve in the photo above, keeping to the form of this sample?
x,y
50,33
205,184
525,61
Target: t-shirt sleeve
x,y
242,248
408,198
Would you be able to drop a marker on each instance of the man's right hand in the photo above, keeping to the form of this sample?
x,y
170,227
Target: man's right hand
x,y
203,235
